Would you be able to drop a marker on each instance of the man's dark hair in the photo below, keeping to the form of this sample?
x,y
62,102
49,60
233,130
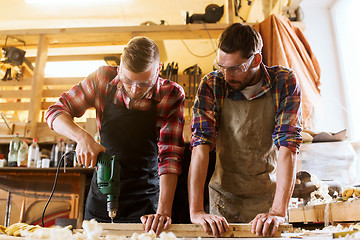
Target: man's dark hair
x,y
240,37
139,53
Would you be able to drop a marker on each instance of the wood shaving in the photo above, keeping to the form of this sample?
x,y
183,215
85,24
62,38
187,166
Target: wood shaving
x,y
92,231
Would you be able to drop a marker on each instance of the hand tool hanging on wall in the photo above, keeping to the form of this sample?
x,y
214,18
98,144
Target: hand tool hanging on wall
x,y
170,72
7,75
175,71
194,73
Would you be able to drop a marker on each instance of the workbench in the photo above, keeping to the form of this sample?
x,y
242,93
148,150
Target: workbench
x,y
195,232
5,237
26,189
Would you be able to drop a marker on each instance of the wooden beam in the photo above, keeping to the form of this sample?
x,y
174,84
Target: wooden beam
x,y
107,36
15,93
37,85
63,80
47,81
21,82
101,36
15,106
229,11
47,93
237,230
80,57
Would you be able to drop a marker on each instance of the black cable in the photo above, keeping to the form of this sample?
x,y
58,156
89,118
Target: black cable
x,y
212,43
16,39
195,55
53,189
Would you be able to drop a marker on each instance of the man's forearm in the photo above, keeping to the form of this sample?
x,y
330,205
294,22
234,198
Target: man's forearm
x,y
285,181
197,176
64,125
167,191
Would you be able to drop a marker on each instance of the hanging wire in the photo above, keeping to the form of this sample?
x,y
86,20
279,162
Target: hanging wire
x,y
16,39
55,182
201,56
194,54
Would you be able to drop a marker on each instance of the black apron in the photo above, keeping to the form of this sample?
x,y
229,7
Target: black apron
x,y
131,136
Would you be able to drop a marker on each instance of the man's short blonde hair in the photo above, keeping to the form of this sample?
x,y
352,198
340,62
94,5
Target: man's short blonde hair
x,y
139,53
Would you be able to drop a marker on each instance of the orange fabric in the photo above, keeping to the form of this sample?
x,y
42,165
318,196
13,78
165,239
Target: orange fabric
x,y
285,44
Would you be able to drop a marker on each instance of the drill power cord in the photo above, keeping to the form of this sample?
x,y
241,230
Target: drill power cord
x,y
56,177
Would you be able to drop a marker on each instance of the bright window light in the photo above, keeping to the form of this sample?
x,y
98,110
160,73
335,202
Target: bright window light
x,y
346,22
72,68
65,2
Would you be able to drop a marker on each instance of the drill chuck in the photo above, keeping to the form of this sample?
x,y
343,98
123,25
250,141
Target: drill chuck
x,y
112,208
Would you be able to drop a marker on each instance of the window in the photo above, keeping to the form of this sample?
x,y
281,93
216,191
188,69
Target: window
x,y
347,31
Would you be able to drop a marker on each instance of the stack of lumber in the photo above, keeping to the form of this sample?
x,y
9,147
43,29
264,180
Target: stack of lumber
x,y
333,212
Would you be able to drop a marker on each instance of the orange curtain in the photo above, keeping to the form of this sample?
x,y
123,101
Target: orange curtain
x,y
286,45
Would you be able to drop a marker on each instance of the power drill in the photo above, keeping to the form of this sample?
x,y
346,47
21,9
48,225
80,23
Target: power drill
x,y
108,180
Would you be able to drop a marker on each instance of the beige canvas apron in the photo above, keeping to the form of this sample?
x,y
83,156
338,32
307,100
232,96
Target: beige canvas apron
x,y
243,183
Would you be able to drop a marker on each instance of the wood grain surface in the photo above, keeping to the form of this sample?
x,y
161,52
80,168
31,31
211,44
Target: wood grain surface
x,y
187,230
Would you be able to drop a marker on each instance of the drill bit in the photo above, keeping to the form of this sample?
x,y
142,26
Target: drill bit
x,y
112,214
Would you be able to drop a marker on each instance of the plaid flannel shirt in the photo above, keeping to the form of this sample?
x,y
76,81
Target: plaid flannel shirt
x,y
170,97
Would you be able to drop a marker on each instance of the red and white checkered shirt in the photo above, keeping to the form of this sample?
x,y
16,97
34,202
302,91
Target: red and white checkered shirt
x,y
170,97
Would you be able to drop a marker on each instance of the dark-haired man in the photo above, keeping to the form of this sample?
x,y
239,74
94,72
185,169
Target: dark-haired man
x,y
251,114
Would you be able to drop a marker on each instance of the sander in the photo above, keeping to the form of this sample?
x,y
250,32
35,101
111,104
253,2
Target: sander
x,y
108,181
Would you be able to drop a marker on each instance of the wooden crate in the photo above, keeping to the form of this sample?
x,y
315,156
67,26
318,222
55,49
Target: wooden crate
x,y
337,212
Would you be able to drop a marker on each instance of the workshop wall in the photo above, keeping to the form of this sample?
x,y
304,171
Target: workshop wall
x,y
328,116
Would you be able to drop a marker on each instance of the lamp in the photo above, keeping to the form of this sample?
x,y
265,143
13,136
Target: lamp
x,y
13,55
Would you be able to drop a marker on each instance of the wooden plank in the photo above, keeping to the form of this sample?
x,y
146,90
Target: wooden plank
x,y
97,36
80,57
25,106
14,106
47,81
6,237
345,211
229,11
37,85
21,82
54,93
338,212
187,230
15,93
307,214
63,80
22,106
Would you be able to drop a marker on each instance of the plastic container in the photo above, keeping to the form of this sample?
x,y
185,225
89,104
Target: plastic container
x,y
13,151
23,154
70,159
45,163
52,156
3,162
59,151
34,153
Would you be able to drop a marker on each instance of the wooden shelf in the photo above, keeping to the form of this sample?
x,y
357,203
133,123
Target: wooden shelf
x,y
43,39
100,36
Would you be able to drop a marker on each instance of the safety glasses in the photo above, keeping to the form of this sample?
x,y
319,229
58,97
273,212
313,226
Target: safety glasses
x,y
235,69
140,84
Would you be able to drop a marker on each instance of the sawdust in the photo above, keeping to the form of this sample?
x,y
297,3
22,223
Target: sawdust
x,y
92,231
